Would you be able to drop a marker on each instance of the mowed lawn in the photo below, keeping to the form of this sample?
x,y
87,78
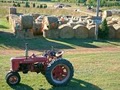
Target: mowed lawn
x,y
96,63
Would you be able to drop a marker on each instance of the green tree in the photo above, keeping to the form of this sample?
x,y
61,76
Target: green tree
x,y
27,4
103,31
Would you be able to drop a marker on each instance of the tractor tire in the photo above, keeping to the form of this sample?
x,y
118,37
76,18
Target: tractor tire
x,y
13,78
59,72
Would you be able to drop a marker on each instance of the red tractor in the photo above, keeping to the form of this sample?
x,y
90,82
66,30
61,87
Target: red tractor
x,y
58,71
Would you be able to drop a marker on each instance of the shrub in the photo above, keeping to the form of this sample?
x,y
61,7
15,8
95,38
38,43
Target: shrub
x,y
38,6
41,6
33,4
27,4
14,5
18,4
103,31
44,5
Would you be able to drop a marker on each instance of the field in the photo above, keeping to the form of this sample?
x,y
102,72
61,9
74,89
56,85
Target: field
x,y
96,63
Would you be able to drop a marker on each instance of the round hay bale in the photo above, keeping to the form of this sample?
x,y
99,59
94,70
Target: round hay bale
x,y
107,13
53,34
26,21
12,10
63,21
111,32
80,31
35,16
117,30
51,22
119,22
39,19
82,23
91,31
37,29
109,19
66,31
24,34
112,22
72,24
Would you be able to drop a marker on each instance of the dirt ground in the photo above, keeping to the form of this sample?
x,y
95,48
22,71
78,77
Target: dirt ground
x,y
67,51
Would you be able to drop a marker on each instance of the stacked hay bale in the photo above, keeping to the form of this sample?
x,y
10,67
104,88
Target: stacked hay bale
x,y
66,31
80,31
111,31
35,16
106,14
39,19
37,28
82,23
51,22
26,21
117,28
53,34
63,20
26,25
112,20
24,33
91,31
12,10
50,27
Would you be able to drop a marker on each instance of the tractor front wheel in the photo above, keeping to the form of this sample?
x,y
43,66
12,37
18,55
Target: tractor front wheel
x,y
59,72
13,78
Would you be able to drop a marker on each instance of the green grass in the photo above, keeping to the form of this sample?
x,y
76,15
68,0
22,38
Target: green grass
x,y
4,24
98,71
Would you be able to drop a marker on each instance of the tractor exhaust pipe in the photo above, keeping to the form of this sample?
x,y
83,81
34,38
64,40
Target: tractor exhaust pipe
x,y
26,50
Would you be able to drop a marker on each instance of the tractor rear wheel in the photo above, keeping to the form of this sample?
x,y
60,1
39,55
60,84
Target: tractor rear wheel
x,y
59,72
13,78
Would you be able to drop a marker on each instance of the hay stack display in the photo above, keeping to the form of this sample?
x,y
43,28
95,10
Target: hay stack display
x,y
91,31
66,31
117,28
50,27
26,21
111,32
12,10
37,29
53,34
27,34
106,14
51,22
80,31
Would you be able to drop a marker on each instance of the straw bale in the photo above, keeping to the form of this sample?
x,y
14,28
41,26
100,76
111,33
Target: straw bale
x,y
12,10
37,29
109,18
117,28
91,31
51,22
80,31
66,31
35,16
53,34
111,31
112,22
26,21
107,13
24,34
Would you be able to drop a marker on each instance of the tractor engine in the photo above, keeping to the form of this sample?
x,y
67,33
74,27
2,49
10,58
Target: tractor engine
x,y
24,68
38,67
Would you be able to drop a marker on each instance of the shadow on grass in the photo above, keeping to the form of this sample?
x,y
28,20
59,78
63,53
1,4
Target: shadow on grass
x,y
9,40
21,87
39,43
3,27
76,84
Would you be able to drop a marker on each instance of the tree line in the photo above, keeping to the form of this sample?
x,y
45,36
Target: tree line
x,y
81,2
